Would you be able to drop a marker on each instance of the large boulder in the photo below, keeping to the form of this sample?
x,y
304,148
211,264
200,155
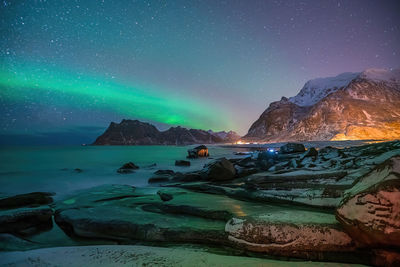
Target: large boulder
x,y
199,151
25,221
220,170
294,233
184,163
292,148
370,210
33,199
311,152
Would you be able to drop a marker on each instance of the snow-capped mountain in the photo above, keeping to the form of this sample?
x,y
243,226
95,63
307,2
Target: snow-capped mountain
x,y
363,105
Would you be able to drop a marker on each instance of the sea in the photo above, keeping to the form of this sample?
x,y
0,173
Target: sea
x,y
64,169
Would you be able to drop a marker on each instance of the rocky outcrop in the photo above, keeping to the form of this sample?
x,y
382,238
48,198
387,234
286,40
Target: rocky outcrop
x,y
198,152
220,170
134,132
25,221
26,214
292,148
125,213
302,234
370,211
351,106
33,199
128,168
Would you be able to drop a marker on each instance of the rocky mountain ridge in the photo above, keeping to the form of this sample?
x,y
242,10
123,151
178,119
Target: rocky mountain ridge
x,y
134,132
350,106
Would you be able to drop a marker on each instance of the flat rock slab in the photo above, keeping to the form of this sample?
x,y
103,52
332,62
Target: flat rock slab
x,y
304,234
26,200
126,213
94,256
25,220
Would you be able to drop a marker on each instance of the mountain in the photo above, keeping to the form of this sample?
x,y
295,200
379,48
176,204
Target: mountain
x,y
228,137
134,132
350,106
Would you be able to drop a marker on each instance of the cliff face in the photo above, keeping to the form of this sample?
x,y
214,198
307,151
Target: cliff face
x,y
134,132
349,106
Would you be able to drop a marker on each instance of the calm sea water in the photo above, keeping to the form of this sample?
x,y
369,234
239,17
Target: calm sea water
x,y
28,169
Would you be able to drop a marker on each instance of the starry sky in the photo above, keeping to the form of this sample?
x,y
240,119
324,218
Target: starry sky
x,y
70,67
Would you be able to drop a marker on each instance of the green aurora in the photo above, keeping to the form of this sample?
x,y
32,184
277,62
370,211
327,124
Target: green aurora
x,y
141,101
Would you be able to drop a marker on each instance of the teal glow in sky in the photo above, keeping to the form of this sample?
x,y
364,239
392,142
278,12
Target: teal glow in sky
x,y
72,67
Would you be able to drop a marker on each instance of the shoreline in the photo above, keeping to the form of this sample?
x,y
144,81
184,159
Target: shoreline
x,y
137,255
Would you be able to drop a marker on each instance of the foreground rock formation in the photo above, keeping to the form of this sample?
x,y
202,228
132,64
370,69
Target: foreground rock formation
x,y
349,106
134,132
370,210
326,204
26,214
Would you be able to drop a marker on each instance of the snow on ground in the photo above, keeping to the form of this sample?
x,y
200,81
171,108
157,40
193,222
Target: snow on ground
x,y
97,256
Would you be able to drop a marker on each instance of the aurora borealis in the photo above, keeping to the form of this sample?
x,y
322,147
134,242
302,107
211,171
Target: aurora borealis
x,y
71,67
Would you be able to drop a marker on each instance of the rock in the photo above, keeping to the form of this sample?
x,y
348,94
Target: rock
x,y
124,213
25,220
242,172
189,176
381,257
159,179
220,170
182,163
292,148
266,164
129,165
294,233
199,151
311,152
26,200
247,162
162,176
164,172
127,168
329,152
370,210
164,196
9,242
78,170
266,155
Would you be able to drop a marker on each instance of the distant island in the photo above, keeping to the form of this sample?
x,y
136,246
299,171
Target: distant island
x,y
134,132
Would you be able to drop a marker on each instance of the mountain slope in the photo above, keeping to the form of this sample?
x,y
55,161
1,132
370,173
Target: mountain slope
x,y
349,106
134,132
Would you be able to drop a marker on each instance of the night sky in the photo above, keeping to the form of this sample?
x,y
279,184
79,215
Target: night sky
x,y
69,68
